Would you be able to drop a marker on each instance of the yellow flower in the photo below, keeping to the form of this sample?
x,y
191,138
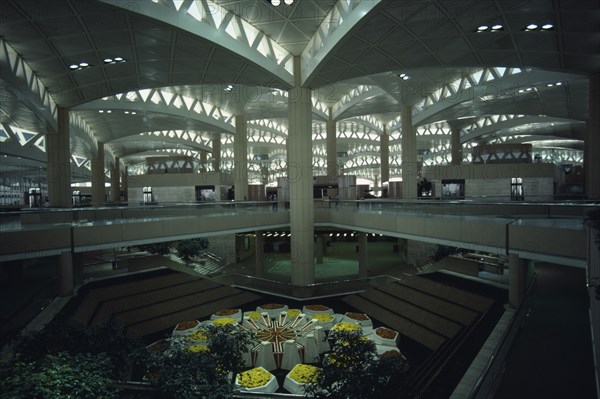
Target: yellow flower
x,y
304,373
346,326
323,317
253,315
223,322
293,313
197,336
198,348
253,378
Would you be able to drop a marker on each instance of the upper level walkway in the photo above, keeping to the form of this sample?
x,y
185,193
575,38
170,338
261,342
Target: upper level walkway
x,y
550,231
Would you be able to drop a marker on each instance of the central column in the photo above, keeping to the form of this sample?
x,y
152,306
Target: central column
x,y
409,155
300,178
332,167
59,163
98,181
240,157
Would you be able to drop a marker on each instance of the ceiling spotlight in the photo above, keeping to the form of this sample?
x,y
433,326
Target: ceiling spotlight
x,y
133,112
405,77
547,26
101,111
84,64
109,111
558,83
288,2
532,27
482,28
74,66
108,60
550,85
402,75
275,2
126,112
497,27
119,59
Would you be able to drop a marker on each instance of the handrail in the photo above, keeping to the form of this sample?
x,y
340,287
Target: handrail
x,y
513,324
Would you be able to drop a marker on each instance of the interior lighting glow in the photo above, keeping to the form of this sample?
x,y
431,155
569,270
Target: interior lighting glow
x,y
558,84
101,111
532,27
405,77
109,111
547,26
84,64
275,2
497,27
288,2
74,66
482,28
119,59
133,112
108,60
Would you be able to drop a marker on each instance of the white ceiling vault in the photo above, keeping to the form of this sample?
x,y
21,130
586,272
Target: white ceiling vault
x,y
164,77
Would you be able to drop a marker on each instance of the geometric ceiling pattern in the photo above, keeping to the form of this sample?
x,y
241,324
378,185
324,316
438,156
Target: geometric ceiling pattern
x,y
155,78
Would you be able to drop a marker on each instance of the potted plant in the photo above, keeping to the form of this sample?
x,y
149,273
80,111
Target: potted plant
x,y
256,379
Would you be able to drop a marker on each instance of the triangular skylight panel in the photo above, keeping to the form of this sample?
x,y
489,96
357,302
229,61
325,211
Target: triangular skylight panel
x,y
23,136
41,143
3,135
79,160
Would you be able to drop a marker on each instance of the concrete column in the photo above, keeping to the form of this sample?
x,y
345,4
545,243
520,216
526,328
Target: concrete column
x,y
98,179
320,249
125,183
216,154
385,156
456,147
59,163
64,274
300,178
240,155
259,253
409,155
332,166
517,280
403,249
203,161
78,265
115,181
362,255
591,158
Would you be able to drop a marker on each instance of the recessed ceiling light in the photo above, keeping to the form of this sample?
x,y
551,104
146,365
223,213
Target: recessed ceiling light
x,y
101,111
74,66
109,111
529,89
405,77
482,28
84,64
402,75
288,2
547,26
532,26
558,83
550,84
119,59
133,112
275,2
126,112
108,60
497,27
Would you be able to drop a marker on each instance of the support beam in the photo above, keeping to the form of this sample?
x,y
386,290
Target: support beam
x,y
125,183
240,155
59,163
115,182
385,156
456,147
98,180
300,177
216,154
332,166
409,155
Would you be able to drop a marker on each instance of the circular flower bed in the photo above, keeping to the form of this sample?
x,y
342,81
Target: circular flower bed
x,y
357,316
186,325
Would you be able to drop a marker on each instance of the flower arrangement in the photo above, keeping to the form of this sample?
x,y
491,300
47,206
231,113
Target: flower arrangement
x,y
324,317
198,335
186,325
345,326
317,307
253,378
198,348
272,306
385,333
253,315
293,313
304,373
227,312
357,316
223,322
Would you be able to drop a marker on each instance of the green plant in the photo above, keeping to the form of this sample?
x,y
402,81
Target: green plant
x,y
188,249
352,370
159,248
60,375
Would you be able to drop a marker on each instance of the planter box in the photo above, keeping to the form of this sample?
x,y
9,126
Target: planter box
x,y
184,328
272,312
236,316
293,386
364,323
385,341
309,312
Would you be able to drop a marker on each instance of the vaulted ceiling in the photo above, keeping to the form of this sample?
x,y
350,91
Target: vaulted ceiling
x,y
150,77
